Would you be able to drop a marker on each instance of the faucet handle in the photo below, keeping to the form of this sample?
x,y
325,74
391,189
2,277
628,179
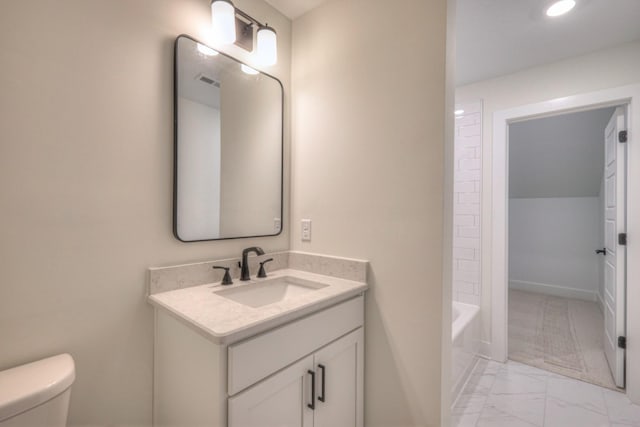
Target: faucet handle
x,y
261,272
226,280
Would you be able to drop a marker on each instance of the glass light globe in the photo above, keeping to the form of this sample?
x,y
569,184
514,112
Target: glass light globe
x,y
223,15
267,46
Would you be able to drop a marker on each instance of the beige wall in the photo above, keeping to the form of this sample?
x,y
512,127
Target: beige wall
x,y
368,147
86,160
600,70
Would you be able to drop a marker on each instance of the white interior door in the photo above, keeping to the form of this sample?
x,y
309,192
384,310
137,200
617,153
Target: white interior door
x,y
615,257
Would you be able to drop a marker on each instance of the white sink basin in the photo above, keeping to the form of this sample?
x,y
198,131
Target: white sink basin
x,y
269,291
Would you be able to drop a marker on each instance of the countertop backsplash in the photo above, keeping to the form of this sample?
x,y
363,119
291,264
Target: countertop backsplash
x,y
163,279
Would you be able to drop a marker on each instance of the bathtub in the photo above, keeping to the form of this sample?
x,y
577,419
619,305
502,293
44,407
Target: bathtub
x,y
465,335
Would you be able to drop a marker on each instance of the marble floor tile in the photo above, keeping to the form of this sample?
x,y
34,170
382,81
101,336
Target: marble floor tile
x,y
469,403
620,409
497,420
527,407
509,382
464,420
515,395
559,413
480,383
577,393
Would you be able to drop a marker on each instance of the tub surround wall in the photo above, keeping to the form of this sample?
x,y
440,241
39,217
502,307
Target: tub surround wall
x,y
368,170
163,279
86,176
466,204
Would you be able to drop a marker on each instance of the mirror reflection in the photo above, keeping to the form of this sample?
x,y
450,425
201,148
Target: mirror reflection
x,y
228,147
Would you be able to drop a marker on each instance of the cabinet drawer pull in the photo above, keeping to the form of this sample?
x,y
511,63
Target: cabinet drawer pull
x,y
312,405
322,397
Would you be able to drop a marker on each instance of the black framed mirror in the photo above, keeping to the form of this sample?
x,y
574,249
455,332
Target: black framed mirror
x,y
228,146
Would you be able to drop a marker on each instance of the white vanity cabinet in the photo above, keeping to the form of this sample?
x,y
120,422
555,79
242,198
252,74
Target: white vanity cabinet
x,y
308,372
321,390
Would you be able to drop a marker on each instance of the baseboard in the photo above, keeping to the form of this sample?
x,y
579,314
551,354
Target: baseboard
x,y
600,302
484,349
558,291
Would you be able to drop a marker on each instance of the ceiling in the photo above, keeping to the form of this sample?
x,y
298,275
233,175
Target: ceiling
x,y
295,8
498,37
560,156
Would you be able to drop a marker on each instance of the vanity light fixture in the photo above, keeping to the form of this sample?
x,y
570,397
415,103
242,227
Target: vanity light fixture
x,y
560,7
232,25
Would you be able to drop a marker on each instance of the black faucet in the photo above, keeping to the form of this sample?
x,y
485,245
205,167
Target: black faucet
x,y
244,266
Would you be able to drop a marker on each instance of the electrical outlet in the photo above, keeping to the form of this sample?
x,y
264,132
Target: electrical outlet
x,y
277,225
306,230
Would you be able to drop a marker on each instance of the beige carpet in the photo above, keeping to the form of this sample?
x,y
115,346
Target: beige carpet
x,y
560,335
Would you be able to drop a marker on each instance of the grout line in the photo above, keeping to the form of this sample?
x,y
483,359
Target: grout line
x,y
546,397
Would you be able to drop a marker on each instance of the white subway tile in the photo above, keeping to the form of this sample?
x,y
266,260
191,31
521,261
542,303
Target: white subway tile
x,y
466,120
464,219
467,142
469,232
463,176
463,287
466,209
469,131
470,107
464,253
469,164
468,299
465,242
469,197
466,276
472,266
466,153
464,187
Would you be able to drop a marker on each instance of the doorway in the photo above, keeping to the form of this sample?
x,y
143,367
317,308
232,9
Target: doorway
x,y
557,295
628,96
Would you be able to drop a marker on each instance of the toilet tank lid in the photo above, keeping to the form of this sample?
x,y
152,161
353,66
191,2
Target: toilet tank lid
x,y
27,386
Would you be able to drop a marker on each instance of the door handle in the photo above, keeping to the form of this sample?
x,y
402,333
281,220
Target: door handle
x,y
312,405
602,251
323,396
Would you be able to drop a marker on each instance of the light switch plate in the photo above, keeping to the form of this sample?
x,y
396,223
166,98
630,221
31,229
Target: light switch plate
x,y
306,230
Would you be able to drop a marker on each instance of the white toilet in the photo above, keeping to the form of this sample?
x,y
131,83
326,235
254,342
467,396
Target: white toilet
x,y
37,394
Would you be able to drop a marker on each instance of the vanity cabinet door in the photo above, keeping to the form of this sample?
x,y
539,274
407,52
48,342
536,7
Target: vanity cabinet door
x,y
339,382
278,401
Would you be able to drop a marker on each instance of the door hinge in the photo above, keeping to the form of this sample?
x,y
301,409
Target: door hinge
x,y
622,239
622,136
622,342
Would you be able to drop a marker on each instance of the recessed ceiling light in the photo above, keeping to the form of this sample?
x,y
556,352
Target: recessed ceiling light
x,y
560,7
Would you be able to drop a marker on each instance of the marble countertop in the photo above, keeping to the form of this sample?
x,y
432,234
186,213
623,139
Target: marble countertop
x,y
224,321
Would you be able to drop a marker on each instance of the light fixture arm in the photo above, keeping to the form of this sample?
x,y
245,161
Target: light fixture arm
x,y
250,18
243,23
